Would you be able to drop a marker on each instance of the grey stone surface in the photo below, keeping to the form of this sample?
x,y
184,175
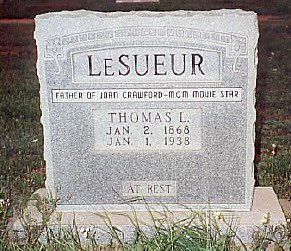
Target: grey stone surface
x,y
159,105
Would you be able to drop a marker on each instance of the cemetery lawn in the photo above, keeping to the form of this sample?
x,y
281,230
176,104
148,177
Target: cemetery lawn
x,y
273,126
22,168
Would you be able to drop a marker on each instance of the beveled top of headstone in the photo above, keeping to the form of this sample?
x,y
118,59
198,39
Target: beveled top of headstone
x,y
154,105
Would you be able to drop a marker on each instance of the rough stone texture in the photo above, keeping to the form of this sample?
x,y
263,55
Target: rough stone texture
x,y
207,158
246,223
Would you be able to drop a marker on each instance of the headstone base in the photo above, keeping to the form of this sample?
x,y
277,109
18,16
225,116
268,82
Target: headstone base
x,y
265,209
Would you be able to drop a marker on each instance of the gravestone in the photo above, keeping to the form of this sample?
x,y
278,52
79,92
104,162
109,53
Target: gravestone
x,y
148,106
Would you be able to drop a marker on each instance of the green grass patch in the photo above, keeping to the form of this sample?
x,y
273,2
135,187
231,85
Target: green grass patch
x,y
198,231
21,141
274,110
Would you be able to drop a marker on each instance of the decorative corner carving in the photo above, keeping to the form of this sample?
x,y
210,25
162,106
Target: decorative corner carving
x,y
236,45
238,48
53,49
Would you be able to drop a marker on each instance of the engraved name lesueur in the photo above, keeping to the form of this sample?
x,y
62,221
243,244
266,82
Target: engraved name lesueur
x,y
146,64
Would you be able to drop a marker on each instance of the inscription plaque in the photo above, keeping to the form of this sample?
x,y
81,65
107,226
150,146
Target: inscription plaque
x,y
149,188
153,105
151,64
147,129
152,95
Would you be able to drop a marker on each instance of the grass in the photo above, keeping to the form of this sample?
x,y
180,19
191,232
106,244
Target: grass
x,y
198,231
274,110
22,169
21,142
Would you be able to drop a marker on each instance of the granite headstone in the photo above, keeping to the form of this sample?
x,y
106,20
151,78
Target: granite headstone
x,y
148,106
